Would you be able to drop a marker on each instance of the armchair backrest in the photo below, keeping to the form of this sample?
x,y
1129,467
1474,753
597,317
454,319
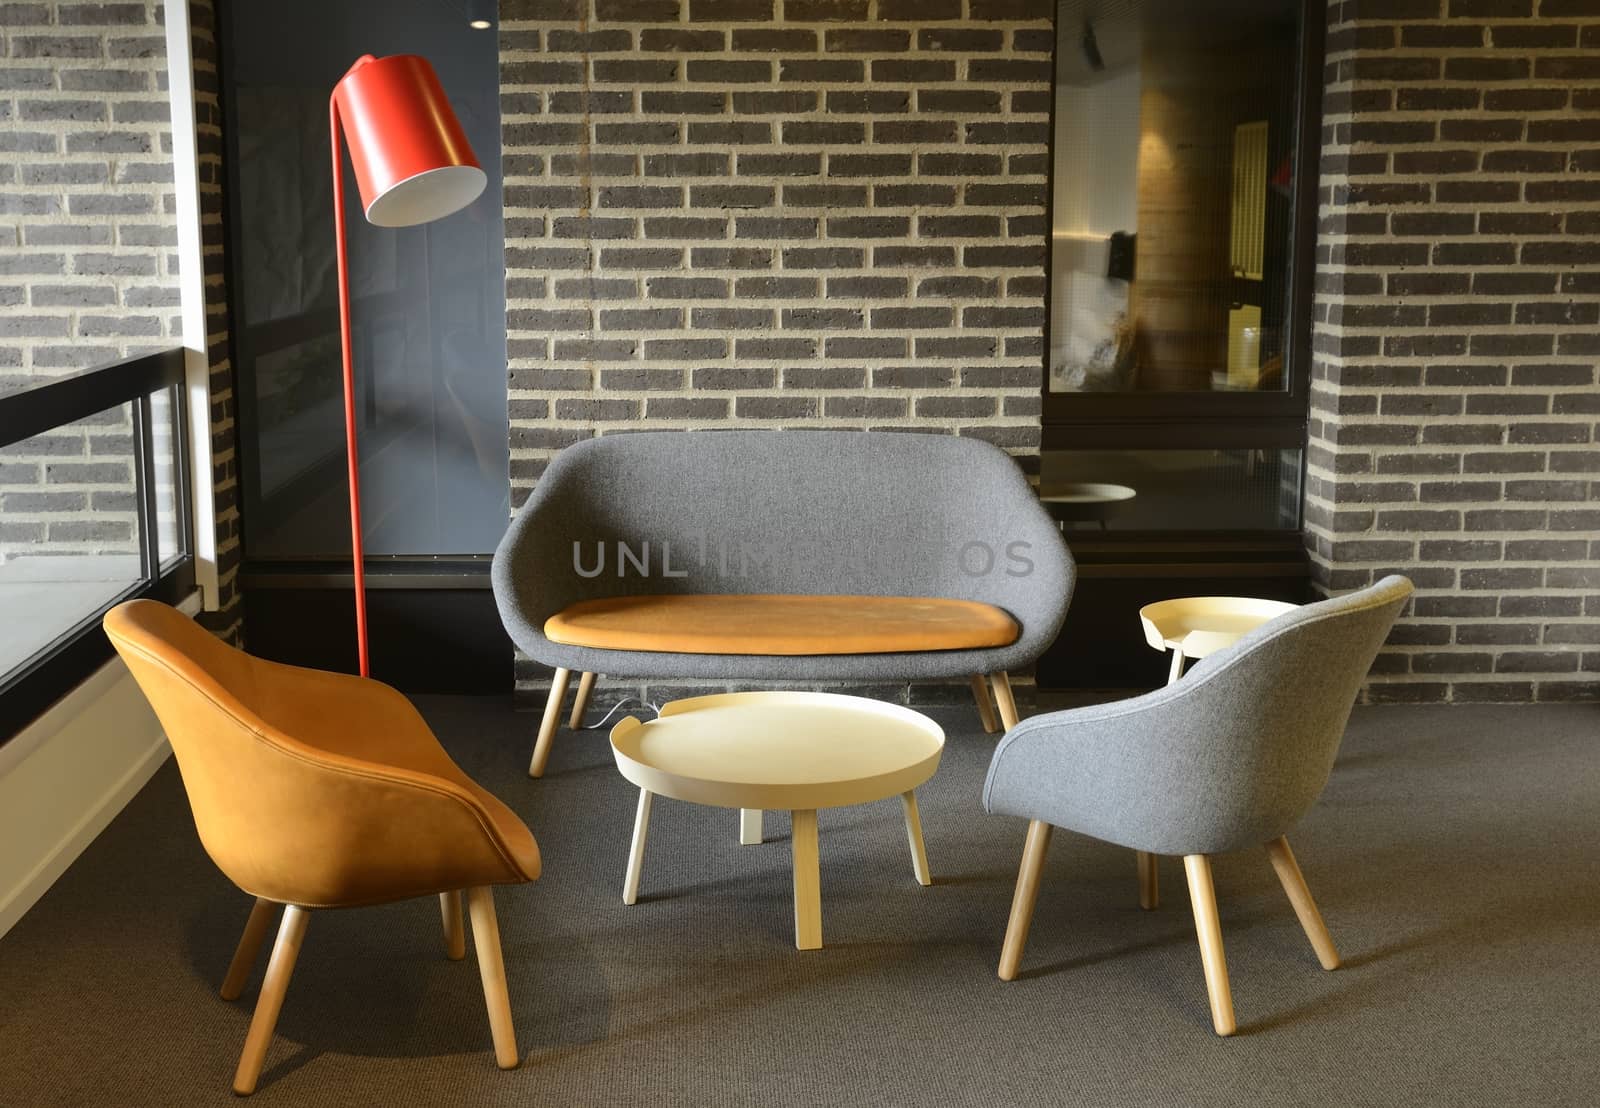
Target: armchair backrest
x,y
792,511
1264,718
289,820
1231,755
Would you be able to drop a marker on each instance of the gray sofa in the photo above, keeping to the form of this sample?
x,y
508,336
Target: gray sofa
x,y
840,513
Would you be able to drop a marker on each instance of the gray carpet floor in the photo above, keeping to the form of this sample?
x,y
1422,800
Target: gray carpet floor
x,y
1455,856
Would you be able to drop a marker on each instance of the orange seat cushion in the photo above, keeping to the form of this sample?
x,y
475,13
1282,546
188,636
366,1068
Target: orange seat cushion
x,y
781,624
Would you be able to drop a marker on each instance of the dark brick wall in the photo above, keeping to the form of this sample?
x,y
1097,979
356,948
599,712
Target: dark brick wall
x,y
1454,406
773,213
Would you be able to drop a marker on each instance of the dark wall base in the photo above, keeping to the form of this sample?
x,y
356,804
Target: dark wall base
x,y
422,640
1102,645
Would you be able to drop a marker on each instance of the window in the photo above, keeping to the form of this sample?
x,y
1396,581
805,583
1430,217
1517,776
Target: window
x,y
428,302
94,510
1182,209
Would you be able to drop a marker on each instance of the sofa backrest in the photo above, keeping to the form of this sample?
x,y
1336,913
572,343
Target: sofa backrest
x,y
793,511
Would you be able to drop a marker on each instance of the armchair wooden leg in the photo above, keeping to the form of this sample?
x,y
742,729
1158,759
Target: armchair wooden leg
x,y
1022,900
980,693
580,704
492,968
1203,897
244,955
455,934
551,720
1003,697
1294,884
280,967
1149,881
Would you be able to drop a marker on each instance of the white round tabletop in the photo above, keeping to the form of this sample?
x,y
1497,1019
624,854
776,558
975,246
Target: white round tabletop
x,y
1202,625
779,750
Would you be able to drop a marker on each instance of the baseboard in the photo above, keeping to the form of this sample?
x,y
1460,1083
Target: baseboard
x,y
60,786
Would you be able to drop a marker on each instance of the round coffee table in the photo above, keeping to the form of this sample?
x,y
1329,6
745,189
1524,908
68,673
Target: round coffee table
x,y
796,750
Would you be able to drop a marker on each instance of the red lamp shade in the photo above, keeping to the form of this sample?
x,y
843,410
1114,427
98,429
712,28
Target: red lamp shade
x,y
412,160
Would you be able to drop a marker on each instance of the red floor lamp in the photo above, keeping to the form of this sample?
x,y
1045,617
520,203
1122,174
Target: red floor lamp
x,y
413,165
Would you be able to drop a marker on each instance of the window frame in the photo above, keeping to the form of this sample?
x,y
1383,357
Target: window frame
x,y
31,688
1149,420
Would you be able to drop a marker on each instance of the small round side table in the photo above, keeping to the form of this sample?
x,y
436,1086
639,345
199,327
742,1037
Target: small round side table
x,y
1193,627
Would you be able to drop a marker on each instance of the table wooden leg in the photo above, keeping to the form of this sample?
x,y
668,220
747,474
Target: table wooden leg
x,y
749,826
641,829
919,853
807,881
1177,667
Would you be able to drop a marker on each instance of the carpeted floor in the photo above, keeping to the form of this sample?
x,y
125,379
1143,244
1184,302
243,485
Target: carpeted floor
x,y
1456,856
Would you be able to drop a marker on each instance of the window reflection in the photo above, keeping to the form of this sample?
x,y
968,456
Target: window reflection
x,y
1175,129
1249,489
427,303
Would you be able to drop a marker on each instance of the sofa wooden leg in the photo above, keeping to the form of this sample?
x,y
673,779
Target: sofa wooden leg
x,y
280,967
580,703
1003,697
492,969
1149,881
980,693
1203,898
551,720
244,956
1294,884
455,935
1023,899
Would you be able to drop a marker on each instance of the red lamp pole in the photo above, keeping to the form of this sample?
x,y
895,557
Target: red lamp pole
x,y
352,459
413,165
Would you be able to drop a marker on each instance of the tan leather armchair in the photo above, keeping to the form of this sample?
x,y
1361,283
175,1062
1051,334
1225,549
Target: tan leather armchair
x,y
320,790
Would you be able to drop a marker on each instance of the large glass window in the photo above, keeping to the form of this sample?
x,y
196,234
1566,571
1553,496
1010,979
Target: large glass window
x,y
1175,141
428,302
1182,223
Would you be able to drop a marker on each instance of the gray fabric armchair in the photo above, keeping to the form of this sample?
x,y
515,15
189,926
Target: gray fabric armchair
x,y
1231,756
793,513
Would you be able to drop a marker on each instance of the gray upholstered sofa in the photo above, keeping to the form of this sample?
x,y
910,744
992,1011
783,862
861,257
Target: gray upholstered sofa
x,y
807,512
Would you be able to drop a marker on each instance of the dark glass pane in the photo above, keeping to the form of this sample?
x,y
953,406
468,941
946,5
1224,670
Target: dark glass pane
x,y
1172,490
428,321
1173,175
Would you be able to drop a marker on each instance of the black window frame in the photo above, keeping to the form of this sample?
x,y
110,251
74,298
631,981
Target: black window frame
x,y
30,689
1221,420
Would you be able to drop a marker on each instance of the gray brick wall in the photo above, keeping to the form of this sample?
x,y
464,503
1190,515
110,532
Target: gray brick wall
x,y
87,269
1455,400
86,275
773,213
